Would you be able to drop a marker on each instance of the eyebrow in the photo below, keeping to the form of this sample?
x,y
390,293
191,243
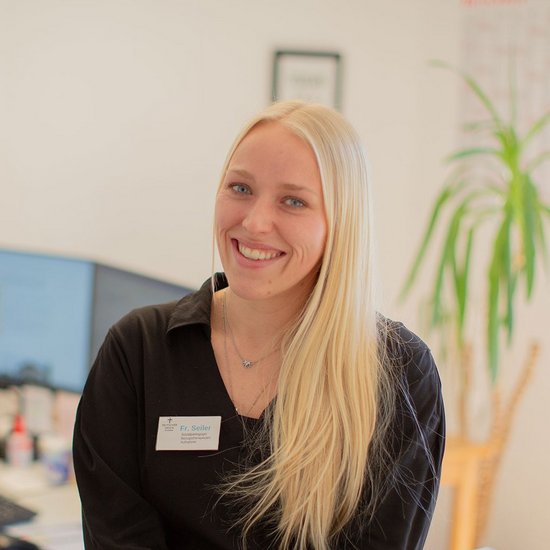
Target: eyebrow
x,y
240,172
294,187
284,185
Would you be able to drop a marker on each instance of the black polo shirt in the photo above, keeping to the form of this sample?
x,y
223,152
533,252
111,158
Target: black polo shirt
x,y
158,362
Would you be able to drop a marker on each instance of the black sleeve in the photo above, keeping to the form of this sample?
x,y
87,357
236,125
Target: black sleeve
x,y
106,450
404,515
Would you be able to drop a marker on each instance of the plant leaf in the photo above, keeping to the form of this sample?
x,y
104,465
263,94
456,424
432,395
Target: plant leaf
x,y
478,126
493,305
538,160
446,194
528,234
492,326
448,259
506,276
462,274
539,223
444,260
476,89
464,153
542,238
536,128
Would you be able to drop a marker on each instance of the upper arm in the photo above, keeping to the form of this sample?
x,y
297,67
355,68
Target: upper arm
x,y
403,516
107,453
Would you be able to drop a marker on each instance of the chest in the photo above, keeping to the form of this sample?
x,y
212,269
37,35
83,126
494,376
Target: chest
x,y
183,484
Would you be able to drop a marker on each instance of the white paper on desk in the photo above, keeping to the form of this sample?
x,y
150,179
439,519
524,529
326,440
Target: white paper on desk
x,y
65,407
23,481
37,408
61,536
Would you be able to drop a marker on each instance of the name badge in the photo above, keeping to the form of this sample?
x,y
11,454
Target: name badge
x,y
188,433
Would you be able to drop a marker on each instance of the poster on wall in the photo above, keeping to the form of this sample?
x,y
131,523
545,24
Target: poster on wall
x,y
505,45
307,75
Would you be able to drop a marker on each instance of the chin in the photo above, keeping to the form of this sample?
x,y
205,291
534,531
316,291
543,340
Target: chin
x,y
246,289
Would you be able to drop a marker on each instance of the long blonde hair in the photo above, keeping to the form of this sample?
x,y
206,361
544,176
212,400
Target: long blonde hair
x,y
335,397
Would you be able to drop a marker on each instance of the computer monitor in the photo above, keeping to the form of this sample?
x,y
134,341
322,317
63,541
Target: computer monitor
x,y
56,311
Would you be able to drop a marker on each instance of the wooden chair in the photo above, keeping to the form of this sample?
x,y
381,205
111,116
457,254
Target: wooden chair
x,y
470,467
463,468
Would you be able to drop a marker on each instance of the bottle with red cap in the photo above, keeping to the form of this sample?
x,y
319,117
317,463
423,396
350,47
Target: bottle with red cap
x,y
19,446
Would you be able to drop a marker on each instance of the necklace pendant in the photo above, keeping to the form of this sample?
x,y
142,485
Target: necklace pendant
x,y
246,363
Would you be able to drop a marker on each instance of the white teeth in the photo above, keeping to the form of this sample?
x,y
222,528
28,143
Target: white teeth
x,y
254,254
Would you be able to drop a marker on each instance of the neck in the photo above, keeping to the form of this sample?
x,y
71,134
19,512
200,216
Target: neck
x,y
255,323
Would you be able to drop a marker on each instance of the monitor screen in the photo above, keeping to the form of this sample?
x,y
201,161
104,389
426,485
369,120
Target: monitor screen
x,y
45,321
116,292
56,311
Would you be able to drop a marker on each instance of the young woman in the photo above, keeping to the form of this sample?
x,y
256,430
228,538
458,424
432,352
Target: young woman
x,y
273,408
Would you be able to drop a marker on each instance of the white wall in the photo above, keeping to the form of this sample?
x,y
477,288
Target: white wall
x,y
115,117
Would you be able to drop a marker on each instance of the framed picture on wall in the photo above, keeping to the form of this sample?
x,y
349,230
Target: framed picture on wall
x,y
307,75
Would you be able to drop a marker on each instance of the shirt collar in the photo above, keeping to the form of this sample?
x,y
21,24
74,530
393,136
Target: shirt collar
x,y
195,308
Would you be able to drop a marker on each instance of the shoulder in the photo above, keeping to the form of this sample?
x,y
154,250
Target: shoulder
x,y
138,334
140,342
414,370
161,319
419,408
405,351
145,319
140,328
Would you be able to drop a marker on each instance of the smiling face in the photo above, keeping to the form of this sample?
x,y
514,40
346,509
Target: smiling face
x,y
270,220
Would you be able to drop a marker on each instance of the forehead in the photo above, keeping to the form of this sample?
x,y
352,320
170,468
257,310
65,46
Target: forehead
x,y
271,146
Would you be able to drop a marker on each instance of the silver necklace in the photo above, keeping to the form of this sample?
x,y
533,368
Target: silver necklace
x,y
246,363
225,327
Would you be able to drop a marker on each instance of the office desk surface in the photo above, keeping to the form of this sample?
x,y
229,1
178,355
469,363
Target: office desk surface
x,y
58,523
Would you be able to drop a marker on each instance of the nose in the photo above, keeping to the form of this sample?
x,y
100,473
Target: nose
x,y
259,218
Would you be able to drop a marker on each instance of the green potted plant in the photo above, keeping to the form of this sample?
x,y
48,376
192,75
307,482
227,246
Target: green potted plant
x,y
491,191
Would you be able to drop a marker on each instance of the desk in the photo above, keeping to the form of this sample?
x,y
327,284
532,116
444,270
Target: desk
x,y
58,524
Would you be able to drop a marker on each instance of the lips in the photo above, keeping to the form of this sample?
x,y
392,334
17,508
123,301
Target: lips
x,y
258,254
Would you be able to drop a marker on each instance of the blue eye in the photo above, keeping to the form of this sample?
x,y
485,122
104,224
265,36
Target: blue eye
x,y
295,203
240,188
